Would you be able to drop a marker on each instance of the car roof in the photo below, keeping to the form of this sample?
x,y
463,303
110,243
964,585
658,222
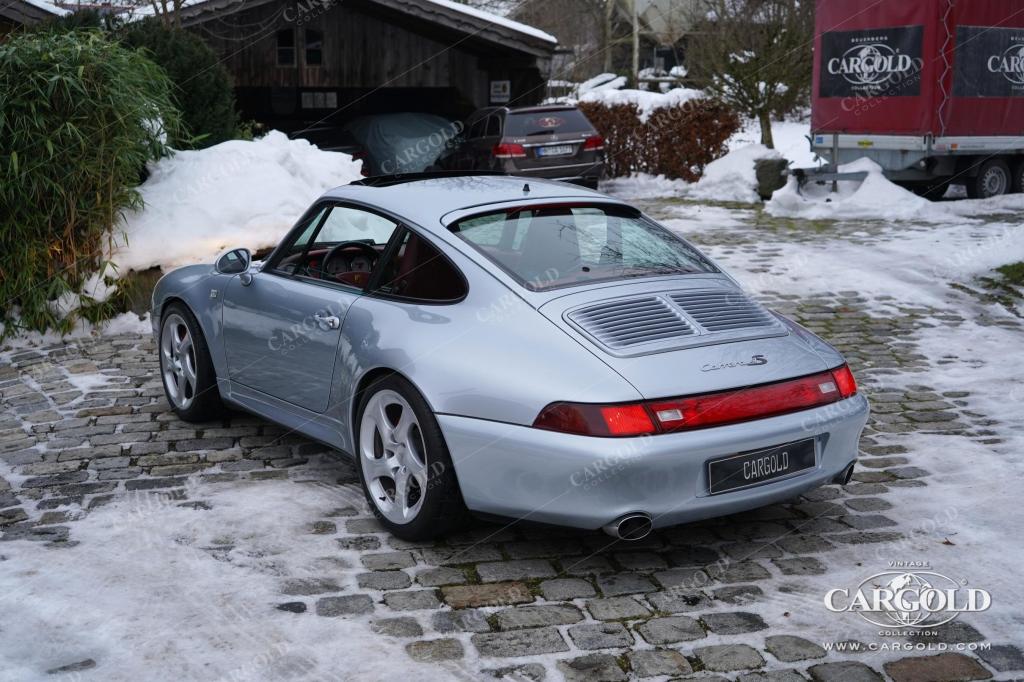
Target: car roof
x,y
426,201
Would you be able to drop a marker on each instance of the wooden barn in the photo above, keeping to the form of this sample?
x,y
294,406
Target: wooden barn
x,y
298,62
15,14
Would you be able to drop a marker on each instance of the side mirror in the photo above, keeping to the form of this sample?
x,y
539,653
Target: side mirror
x,y
233,261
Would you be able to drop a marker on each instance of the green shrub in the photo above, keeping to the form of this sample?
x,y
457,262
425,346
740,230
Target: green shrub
x,y
202,85
79,118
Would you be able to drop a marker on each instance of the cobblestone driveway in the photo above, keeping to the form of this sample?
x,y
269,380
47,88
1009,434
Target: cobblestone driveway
x,y
715,600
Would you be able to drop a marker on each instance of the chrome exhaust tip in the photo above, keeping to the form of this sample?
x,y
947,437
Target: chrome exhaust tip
x,y
635,526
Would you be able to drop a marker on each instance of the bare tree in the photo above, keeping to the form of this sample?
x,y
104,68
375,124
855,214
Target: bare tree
x,y
756,55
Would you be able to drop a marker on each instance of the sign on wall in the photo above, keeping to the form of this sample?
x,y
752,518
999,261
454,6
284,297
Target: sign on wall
x,y
882,62
501,92
989,62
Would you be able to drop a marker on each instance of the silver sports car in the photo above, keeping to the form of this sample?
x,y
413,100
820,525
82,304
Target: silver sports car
x,y
492,346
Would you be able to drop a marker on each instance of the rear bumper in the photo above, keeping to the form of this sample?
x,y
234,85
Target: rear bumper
x,y
568,171
584,482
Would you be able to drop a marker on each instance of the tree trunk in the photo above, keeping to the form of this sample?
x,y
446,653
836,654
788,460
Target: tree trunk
x,y
606,27
765,118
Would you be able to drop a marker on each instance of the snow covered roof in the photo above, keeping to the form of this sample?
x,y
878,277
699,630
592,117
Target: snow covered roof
x,y
496,19
476,23
29,11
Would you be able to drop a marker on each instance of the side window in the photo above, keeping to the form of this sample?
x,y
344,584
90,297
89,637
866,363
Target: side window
x,y
418,271
477,129
314,47
305,255
286,47
493,126
346,224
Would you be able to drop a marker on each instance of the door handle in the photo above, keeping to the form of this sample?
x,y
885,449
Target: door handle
x,y
330,321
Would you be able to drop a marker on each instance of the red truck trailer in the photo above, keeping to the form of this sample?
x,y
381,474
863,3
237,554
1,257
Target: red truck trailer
x,y
931,90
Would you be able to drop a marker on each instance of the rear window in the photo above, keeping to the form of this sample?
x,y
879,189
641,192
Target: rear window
x,y
546,122
546,247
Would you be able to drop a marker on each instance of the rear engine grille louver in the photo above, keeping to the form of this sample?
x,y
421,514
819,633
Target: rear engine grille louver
x,y
633,321
722,311
677,319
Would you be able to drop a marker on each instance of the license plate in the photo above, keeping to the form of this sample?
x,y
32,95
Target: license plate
x,y
760,466
555,150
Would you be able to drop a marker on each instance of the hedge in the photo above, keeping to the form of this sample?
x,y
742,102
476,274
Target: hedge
x,y
80,116
677,142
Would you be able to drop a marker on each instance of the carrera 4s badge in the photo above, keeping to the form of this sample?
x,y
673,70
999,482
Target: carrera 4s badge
x,y
754,361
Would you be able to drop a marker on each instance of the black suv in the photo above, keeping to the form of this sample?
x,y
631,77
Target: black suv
x,y
555,142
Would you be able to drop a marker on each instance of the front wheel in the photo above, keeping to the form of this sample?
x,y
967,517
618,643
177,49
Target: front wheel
x,y
993,180
190,382
404,464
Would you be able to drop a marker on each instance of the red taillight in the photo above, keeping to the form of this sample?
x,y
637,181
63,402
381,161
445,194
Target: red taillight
x,y
757,402
594,143
697,412
596,420
506,150
845,381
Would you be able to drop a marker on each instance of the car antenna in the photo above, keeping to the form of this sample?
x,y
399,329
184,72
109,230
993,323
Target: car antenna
x,y
526,188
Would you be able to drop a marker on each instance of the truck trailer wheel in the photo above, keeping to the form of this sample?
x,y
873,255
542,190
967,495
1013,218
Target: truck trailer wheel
x,y
993,180
1018,177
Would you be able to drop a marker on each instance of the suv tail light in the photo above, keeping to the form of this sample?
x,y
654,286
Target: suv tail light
x,y
702,411
594,143
507,150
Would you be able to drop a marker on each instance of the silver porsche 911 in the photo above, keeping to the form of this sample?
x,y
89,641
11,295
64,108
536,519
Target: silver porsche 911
x,y
504,348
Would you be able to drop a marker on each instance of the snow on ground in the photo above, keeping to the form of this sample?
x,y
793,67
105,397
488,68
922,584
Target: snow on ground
x,y
971,499
191,595
790,139
237,193
125,323
730,178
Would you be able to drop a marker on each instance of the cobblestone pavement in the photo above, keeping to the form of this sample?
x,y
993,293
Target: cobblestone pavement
x,y
86,424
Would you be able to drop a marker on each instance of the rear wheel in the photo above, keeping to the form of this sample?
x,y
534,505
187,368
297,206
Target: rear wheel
x,y
404,464
190,382
993,180
1018,176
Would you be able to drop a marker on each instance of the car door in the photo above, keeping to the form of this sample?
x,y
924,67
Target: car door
x,y
282,325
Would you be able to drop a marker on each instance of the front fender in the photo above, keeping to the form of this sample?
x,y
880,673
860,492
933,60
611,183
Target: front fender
x,y
201,288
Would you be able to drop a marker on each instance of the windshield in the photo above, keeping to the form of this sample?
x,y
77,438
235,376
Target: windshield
x,y
546,123
545,247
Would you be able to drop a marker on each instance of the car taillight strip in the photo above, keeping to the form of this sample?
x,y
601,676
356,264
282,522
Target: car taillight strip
x,y
696,412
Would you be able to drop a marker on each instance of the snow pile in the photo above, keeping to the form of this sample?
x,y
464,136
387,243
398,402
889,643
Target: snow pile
x,y
602,81
644,186
237,193
875,197
732,177
790,139
646,101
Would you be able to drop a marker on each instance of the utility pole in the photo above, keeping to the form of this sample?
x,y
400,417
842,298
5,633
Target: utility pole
x,y
609,19
636,46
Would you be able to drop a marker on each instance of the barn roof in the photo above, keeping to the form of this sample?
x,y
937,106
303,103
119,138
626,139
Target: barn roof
x,y
473,23
29,11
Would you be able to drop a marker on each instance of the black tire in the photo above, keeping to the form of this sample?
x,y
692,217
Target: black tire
x,y
933,191
1018,177
442,510
202,403
993,179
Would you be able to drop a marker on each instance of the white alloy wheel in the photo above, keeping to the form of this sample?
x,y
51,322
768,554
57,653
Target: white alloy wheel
x,y
178,361
393,456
